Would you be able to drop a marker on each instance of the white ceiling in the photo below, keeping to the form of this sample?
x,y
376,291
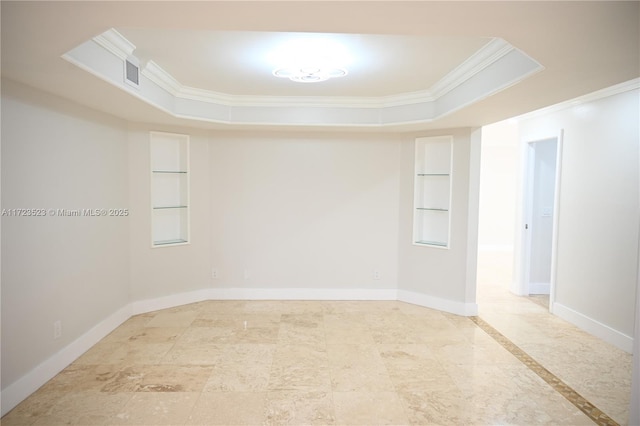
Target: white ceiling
x,y
238,63
399,47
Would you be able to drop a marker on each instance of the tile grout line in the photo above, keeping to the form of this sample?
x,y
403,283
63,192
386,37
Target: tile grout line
x,y
558,385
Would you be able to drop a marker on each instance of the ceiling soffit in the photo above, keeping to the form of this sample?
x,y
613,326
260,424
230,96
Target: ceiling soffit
x,y
494,67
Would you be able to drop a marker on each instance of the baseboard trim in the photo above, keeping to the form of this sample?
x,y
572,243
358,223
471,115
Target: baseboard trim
x,y
15,393
302,294
446,305
594,327
150,305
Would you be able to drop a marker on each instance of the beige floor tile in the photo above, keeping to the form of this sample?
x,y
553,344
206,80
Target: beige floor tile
x,y
242,368
145,335
474,354
302,329
124,353
333,362
33,407
357,368
228,408
347,328
156,408
369,408
300,367
504,409
173,378
441,405
173,318
299,408
78,377
238,328
193,354
84,408
413,367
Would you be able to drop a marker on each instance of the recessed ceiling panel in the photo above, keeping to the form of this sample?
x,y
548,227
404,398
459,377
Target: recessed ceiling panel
x,y
241,63
236,77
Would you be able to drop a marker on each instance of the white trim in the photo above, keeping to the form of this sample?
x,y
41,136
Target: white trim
x,y
171,301
16,392
590,97
494,62
522,246
446,305
594,327
556,220
240,293
115,43
491,52
485,56
539,288
303,294
163,79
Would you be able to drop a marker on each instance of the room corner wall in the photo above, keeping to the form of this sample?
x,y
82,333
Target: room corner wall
x,y
62,260
172,273
442,278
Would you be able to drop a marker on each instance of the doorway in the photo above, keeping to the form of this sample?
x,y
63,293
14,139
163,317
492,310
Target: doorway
x,y
540,215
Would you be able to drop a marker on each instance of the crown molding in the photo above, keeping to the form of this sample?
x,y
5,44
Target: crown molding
x,y
494,67
159,76
581,100
485,56
115,43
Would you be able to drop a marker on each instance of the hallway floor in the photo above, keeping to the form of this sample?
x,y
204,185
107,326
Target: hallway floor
x,y
347,363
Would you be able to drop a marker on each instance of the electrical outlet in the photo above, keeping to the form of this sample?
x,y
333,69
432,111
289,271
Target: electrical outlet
x,y
376,275
57,329
214,273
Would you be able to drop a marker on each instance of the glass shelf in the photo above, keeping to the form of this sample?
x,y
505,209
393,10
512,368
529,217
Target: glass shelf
x,y
169,207
432,243
169,189
432,191
168,242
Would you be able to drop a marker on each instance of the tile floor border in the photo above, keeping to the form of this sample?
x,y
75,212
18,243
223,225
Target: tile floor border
x,y
595,414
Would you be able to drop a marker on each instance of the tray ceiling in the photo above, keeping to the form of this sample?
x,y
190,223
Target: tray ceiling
x,y
406,76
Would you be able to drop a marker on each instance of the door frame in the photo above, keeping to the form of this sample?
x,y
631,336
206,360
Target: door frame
x,y
523,235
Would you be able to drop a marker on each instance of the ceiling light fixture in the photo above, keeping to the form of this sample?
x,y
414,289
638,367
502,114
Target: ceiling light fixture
x,y
309,74
310,60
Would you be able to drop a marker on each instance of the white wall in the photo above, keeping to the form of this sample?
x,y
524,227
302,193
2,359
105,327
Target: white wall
x,y
166,271
273,211
598,208
58,155
305,211
305,215
444,276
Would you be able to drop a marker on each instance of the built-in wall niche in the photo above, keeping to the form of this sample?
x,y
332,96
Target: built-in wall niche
x,y
169,189
432,191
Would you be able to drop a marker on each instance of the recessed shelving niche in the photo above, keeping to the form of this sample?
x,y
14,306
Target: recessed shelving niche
x,y
432,191
169,189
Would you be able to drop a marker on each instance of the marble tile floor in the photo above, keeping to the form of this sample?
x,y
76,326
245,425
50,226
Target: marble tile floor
x,y
326,363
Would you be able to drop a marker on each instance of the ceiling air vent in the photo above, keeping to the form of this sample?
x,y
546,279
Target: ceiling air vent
x,y
132,71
